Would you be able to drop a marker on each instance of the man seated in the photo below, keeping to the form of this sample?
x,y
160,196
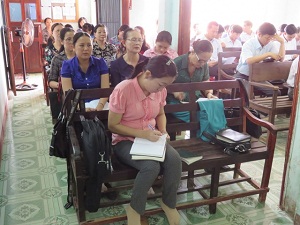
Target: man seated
x,y
232,40
290,43
247,31
259,48
292,76
211,33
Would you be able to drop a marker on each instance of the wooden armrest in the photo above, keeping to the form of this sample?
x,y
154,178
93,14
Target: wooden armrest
x,y
269,86
269,126
74,143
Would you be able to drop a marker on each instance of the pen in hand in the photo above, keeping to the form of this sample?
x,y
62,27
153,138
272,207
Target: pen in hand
x,y
151,127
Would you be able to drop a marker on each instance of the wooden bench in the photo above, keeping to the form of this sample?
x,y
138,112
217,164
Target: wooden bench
x,y
223,68
275,104
213,156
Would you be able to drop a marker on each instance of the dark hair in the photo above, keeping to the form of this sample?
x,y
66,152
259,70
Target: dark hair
x,y
221,29
267,28
88,27
55,25
159,66
79,21
298,29
290,29
123,28
200,46
164,36
79,35
125,34
99,25
63,32
62,35
47,18
69,25
281,27
236,29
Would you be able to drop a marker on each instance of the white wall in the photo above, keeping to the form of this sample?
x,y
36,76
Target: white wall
x,y
292,191
3,89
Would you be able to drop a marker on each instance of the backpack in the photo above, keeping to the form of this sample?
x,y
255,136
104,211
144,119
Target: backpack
x,y
97,150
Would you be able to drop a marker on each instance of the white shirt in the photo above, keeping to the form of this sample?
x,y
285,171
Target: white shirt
x,y
217,47
245,37
252,48
230,44
293,71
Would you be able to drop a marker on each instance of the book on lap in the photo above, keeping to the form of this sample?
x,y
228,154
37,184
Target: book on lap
x,y
189,157
232,136
143,149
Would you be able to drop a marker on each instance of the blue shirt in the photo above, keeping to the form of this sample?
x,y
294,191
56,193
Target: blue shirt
x,y
81,80
252,48
120,70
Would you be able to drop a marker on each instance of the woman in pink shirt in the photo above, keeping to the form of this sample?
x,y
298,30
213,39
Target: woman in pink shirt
x,y
136,105
162,46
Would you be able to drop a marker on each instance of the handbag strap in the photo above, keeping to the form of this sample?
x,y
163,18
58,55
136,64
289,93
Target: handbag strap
x,y
74,105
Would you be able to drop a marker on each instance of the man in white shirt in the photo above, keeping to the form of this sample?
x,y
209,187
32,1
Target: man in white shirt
x,y
292,76
211,33
257,49
290,42
232,41
247,31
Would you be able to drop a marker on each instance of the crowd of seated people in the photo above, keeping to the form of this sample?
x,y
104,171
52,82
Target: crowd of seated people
x,y
87,58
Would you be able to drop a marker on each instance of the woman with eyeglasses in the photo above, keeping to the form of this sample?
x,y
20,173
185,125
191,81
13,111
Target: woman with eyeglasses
x,y
66,52
85,71
102,48
122,68
136,109
192,67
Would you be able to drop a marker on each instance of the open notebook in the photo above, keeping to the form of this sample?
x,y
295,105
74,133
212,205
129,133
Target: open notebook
x,y
143,149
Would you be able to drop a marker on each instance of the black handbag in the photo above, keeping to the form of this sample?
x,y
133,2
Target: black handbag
x,y
230,148
59,143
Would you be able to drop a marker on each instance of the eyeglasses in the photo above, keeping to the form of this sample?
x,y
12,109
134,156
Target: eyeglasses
x,y
200,60
135,40
69,39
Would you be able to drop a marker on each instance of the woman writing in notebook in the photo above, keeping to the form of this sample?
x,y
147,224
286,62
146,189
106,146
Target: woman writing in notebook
x,y
135,107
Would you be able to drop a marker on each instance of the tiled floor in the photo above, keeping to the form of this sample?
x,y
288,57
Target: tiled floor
x,y
33,185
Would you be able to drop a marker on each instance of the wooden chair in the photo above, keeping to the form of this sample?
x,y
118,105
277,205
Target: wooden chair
x,y
259,72
223,68
226,71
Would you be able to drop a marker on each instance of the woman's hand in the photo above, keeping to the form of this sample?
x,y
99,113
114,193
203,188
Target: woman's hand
x,y
211,96
179,95
90,109
152,135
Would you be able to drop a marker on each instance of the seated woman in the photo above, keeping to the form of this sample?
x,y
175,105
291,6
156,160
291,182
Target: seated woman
x,y
66,52
129,117
162,46
88,28
54,44
192,67
85,71
122,68
102,48
145,45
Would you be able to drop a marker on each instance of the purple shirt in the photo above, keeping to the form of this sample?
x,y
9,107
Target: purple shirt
x,y
81,80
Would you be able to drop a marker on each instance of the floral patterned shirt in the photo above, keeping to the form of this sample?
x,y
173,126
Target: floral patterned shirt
x,y
108,53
